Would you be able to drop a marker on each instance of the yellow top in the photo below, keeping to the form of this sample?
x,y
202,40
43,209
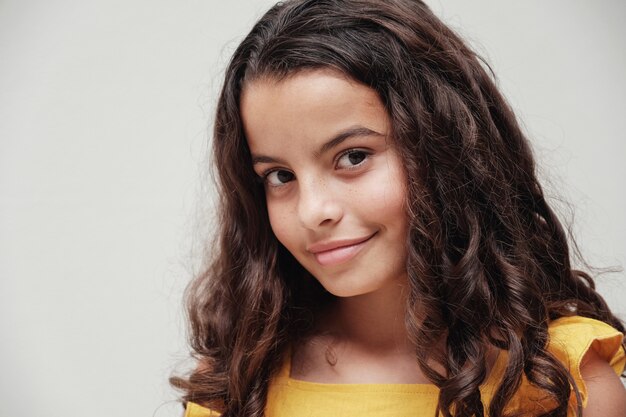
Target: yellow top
x,y
569,339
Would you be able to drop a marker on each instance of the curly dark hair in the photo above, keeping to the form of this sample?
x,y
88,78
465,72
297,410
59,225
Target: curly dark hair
x,y
488,260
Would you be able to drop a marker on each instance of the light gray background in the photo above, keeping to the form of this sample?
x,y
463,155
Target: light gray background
x,y
104,112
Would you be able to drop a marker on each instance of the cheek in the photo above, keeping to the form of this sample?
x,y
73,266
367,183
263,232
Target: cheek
x,y
397,191
386,197
390,199
281,226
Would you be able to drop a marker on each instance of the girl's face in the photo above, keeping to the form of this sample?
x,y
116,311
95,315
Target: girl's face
x,y
335,187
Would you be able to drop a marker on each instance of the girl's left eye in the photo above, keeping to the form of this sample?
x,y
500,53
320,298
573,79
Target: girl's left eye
x,y
352,158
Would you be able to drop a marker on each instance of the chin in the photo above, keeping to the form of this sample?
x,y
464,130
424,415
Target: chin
x,y
346,290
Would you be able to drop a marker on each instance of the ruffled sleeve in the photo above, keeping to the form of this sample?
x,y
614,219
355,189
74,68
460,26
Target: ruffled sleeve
x,y
572,337
195,410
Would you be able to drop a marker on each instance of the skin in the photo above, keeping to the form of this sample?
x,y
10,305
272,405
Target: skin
x,y
353,188
315,197
605,392
321,143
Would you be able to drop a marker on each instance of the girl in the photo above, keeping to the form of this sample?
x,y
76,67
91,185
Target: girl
x,y
385,248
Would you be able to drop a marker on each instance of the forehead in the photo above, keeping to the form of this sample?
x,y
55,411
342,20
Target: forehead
x,y
306,108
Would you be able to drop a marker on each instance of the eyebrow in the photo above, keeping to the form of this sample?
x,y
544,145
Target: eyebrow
x,y
356,131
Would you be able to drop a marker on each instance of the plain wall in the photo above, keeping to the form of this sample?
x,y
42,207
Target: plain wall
x,y
105,108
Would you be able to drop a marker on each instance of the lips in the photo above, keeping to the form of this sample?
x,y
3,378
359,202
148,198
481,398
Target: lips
x,y
338,251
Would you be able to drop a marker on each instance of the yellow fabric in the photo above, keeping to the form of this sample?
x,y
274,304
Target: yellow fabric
x,y
570,339
194,410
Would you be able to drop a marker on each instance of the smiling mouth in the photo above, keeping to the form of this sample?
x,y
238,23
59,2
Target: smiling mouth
x,y
340,254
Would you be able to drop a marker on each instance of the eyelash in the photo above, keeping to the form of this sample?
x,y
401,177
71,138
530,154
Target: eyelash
x,y
352,151
263,178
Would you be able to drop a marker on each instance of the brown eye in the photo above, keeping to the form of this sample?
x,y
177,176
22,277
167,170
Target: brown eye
x,y
352,158
278,177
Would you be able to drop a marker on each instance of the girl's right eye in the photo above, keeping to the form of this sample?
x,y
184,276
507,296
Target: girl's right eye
x,y
278,177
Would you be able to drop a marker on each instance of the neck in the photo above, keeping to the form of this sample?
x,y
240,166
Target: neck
x,y
372,321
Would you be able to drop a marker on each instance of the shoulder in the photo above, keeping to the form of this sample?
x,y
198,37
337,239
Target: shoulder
x,y
593,353
606,395
571,338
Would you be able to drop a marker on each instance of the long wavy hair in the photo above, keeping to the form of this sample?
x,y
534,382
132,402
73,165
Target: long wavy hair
x,y
488,260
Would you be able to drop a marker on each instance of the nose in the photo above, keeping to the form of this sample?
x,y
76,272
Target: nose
x,y
318,204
